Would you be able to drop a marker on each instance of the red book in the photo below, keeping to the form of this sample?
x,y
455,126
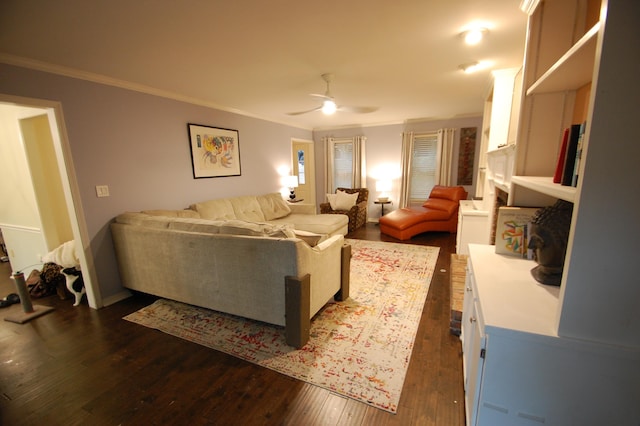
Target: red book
x,y
557,177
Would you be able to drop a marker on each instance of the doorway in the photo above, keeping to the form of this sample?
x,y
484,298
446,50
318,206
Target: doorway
x,y
303,166
41,144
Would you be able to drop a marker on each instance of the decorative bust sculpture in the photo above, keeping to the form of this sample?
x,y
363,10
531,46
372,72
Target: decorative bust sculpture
x,y
549,236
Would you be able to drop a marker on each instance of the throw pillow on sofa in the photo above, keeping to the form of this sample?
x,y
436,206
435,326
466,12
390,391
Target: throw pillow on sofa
x,y
240,227
342,200
310,238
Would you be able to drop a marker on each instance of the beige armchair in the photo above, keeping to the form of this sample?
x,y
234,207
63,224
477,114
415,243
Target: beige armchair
x,y
357,214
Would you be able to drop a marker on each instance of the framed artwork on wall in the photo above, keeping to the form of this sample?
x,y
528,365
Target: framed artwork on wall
x,y
215,152
466,155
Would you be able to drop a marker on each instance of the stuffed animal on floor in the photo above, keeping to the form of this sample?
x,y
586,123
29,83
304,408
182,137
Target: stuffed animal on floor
x,y
75,283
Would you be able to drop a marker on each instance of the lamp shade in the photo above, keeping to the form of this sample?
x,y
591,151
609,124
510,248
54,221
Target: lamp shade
x,y
291,181
383,185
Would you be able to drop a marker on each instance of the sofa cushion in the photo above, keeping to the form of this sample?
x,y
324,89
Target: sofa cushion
x,y
273,206
342,200
247,208
240,227
140,219
441,204
329,224
404,218
173,213
220,209
204,226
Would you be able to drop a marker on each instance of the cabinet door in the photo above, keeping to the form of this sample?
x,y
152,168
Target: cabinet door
x,y
467,330
475,357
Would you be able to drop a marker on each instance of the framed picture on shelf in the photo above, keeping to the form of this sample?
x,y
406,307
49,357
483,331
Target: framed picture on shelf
x,y
512,231
215,152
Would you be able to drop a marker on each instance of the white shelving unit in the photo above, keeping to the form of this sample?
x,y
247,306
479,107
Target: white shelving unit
x,y
525,374
534,353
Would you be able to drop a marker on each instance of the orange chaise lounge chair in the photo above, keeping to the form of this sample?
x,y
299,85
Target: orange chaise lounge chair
x,y
438,213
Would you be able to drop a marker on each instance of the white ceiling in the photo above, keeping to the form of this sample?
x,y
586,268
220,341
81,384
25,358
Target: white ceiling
x,y
264,58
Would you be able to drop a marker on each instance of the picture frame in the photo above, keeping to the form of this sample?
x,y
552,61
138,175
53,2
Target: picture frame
x,y
215,151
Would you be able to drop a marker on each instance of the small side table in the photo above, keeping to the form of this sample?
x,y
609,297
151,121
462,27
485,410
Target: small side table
x,y
382,204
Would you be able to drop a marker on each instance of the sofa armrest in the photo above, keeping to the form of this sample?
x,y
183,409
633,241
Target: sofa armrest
x,y
325,208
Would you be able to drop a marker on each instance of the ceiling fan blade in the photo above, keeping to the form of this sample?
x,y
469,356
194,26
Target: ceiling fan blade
x,y
304,112
325,97
357,109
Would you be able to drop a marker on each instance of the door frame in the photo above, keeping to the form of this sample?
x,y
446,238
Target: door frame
x,y
70,187
310,172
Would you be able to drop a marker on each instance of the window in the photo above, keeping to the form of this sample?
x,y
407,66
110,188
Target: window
x,y
424,167
342,165
301,177
346,165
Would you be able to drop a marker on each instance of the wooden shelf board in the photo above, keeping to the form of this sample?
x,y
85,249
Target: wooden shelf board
x,y
573,70
545,185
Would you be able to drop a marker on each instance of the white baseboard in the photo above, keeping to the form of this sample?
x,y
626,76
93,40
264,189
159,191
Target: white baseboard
x,y
124,294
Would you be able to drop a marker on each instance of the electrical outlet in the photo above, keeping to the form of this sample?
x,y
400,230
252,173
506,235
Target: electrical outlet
x,y
102,190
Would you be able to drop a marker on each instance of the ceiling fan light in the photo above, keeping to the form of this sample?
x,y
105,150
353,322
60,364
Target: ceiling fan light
x,y
329,107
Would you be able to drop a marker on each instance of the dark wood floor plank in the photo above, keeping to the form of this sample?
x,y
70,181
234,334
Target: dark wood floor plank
x,y
80,366
353,414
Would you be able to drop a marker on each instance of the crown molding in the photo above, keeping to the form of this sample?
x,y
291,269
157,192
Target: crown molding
x,y
109,81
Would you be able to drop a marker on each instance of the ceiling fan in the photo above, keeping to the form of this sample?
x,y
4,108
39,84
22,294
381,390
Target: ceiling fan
x,y
329,105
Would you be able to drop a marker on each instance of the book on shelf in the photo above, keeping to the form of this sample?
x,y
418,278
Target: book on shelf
x,y
576,166
570,155
557,177
512,231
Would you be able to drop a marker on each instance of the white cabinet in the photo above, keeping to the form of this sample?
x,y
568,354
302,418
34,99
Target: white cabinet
x,y
518,371
473,340
472,226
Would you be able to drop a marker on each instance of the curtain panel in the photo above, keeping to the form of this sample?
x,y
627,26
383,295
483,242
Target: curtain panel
x,y
407,152
358,162
445,159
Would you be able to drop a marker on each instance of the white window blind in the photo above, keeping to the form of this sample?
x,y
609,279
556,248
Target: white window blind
x,y
342,165
424,166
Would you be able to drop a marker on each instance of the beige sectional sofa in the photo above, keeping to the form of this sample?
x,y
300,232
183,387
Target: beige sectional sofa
x,y
247,256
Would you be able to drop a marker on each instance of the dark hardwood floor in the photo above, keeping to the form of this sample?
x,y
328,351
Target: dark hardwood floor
x,y
80,366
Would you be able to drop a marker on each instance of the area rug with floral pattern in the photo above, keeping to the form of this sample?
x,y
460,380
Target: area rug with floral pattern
x,y
359,348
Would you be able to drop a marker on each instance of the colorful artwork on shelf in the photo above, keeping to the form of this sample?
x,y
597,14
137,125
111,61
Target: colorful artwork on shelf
x,y
512,231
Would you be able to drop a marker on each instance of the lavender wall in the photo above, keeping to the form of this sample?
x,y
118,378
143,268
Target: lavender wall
x,y
138,145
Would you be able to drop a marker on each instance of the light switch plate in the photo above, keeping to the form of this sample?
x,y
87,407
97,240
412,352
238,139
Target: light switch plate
x,y
102,190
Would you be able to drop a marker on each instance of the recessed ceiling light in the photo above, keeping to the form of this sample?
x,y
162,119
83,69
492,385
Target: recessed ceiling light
x,y
473,36
471,67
